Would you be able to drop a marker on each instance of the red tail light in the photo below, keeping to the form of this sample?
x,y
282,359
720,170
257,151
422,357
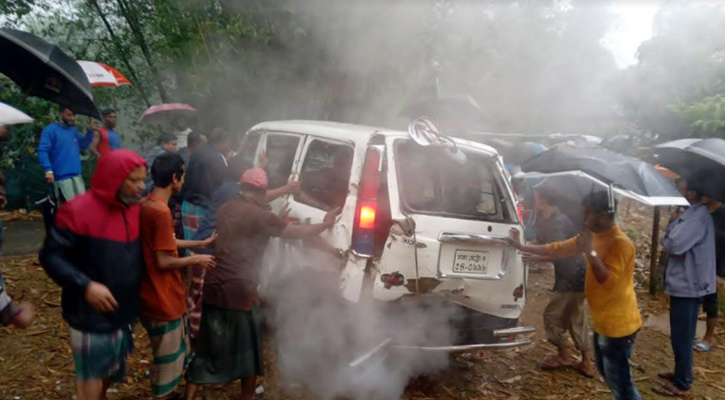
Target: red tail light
x,y
367,216
363,236
520,210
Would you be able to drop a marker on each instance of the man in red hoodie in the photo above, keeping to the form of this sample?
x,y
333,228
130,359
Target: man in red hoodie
x,y
94,253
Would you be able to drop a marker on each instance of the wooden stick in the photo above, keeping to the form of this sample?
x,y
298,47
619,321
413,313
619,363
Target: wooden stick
x,y
654,252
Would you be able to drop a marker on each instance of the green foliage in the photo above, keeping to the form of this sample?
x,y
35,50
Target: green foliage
x,y
534,66
706,116
673,91
24,137
16,8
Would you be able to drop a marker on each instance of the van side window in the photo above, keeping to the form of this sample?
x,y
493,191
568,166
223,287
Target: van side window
x,y
325,175
248,148
281,151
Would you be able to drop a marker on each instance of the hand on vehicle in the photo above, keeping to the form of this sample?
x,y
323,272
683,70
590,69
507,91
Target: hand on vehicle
x,y
209,242
205,260
26,315
50,177
329,220
584,242
101,298
514,238
293,187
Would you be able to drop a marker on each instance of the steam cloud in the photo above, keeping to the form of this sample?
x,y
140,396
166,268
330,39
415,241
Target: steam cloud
x,y
316,334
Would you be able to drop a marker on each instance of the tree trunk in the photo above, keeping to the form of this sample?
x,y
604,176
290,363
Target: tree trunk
x,y
117,44
129,14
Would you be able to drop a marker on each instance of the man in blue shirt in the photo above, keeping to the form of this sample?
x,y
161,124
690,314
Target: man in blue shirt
x,y
690,275
59,155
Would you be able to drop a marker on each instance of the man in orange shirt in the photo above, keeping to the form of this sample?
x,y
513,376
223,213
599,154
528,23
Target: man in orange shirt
x,y
163,297
608,287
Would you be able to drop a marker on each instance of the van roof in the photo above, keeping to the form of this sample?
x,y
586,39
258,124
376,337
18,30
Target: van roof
x,y
358,133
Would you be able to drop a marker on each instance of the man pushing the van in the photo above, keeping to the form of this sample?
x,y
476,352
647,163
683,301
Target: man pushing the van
x,y
608,287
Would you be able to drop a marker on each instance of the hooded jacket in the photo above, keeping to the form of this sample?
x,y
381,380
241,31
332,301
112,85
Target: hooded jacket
x,y
96,238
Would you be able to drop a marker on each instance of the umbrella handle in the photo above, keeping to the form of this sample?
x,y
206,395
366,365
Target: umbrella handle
x,y
610,198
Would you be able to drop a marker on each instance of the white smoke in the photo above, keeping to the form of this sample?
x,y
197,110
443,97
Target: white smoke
x,y
316,334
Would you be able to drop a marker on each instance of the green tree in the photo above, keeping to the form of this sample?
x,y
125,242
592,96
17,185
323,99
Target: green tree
x,y
673,90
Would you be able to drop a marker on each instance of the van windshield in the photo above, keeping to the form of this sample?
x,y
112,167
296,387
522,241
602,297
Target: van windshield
x,y
431,182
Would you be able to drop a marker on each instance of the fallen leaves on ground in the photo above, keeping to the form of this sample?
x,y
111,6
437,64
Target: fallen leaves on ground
x,y
20,215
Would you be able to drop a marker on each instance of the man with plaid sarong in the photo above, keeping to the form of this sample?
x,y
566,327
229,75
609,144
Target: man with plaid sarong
x,y
163,297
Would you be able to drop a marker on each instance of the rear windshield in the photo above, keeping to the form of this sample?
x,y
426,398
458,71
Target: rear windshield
x,y
431,182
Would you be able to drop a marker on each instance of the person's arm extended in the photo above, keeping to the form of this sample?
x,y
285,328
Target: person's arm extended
x,y
290,188
312,230
196,244
94,144
303,231
169,260
552,251
85,140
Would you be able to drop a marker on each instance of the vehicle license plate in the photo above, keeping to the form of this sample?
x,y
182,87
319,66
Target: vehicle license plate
x,y
471,262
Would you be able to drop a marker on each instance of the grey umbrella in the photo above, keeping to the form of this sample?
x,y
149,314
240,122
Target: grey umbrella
x,y
42,69
627,176
693,158
692,155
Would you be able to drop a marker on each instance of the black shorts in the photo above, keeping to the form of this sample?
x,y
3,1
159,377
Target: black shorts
x,y
710,305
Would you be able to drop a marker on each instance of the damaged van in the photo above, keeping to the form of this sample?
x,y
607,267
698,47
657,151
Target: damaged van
x,y
417,222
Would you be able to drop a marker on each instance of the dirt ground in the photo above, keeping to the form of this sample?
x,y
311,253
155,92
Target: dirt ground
x,y
37,364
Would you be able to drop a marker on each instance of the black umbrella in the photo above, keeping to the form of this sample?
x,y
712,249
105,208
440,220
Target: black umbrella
x,y
44,70
692,155
628,176
691,158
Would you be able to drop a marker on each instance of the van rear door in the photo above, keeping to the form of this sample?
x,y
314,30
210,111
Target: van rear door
x,y
460,213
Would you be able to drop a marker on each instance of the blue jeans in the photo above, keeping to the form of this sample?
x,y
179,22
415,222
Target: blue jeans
x,y
683,322
612,355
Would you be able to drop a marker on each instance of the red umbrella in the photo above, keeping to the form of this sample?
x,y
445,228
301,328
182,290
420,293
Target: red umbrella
x,y
100,74
166,113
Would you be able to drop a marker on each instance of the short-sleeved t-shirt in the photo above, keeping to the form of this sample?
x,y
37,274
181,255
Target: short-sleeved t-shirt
x,y
163,295
243,228
568,272
613,303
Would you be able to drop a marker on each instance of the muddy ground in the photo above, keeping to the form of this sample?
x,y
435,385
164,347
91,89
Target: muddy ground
x,y
36,363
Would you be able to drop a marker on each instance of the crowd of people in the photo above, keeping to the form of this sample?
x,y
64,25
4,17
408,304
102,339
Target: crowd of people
x,y
120,252
115,252
594,270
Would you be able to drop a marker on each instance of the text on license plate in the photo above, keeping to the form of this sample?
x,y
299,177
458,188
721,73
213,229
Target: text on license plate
x,y
475,262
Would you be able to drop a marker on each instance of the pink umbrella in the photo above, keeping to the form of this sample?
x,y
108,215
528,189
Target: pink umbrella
x,y
166,113
100,74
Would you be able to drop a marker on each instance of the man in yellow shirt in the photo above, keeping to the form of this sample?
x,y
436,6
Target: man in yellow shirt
x,y
608,287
